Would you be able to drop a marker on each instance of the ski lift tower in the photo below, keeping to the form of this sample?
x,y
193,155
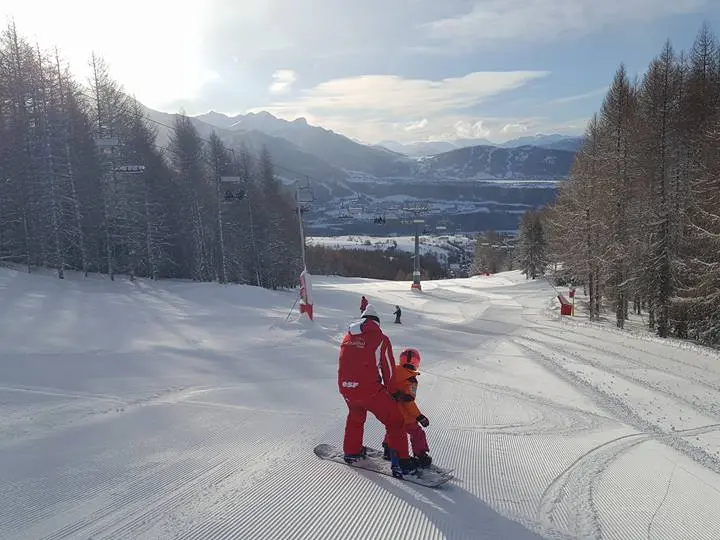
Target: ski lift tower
x,y
303,197
414,213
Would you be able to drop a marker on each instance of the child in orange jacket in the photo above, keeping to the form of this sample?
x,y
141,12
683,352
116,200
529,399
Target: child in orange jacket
x,y
405,382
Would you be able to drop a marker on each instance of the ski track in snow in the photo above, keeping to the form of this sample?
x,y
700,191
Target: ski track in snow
x,y
643,420
575,485
178,410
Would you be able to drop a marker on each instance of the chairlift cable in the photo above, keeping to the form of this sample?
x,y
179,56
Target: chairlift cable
x,y
232,150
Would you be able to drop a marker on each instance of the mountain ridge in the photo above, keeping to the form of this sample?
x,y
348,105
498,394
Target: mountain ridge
x,y
320,153
554,141
481,185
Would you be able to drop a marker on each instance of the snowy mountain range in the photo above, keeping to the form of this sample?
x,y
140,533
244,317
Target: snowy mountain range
x,y
493,178
429,148
325,155
491,162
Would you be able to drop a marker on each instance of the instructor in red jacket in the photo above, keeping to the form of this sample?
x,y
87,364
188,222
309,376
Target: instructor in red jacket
x,y
365,375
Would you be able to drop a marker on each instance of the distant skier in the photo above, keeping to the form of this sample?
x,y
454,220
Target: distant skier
x,y
398,314
363,305
405,383
365,376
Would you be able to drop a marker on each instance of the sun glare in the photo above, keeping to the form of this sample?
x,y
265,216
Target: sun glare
x,y
153,48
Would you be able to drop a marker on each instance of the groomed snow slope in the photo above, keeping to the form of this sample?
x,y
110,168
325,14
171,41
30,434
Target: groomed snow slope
x,y
180,410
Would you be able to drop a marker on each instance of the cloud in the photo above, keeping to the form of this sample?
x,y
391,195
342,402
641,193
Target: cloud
x,y
417,126
372,129
283,81
468,129
580,97
575,125
394,97
489,21
375,107
513,129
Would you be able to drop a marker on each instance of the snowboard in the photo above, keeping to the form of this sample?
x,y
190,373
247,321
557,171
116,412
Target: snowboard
x,y
374,462
375,453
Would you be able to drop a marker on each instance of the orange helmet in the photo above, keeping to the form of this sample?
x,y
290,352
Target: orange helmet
x,y
410,356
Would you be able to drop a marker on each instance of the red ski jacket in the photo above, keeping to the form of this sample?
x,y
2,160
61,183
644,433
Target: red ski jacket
x,y
366,361
363,304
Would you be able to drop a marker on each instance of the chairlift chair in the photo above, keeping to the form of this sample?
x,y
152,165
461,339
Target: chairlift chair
x,y
234,195
305,195
130,169
234,190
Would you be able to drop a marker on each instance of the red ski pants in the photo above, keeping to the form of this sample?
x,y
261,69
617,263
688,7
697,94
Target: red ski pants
x,y
385,409
418,439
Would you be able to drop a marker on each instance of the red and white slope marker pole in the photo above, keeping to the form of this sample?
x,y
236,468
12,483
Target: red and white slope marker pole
x,y
306,303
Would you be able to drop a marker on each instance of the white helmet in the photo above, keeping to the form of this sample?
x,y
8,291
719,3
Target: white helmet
x,y
370,311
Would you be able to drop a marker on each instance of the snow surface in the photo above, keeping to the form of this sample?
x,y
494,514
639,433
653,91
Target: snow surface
x,y
181,410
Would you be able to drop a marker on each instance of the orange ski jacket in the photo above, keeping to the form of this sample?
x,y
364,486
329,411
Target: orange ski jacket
x,y
405,384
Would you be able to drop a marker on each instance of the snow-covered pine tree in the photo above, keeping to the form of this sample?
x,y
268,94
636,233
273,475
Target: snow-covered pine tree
x,y
701,293
277,227
195,193
68,114
699,269
489,253
49,153
577,229
220,164
532,245
243,233
18,238
110,110
85,167
618,125
150,193
660,102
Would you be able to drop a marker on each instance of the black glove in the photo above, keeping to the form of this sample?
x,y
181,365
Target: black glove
x,y
423,421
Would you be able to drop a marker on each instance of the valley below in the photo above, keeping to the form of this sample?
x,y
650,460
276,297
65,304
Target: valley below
x,y
453,206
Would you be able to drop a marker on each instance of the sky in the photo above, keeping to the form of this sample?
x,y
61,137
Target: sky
x,y
374,70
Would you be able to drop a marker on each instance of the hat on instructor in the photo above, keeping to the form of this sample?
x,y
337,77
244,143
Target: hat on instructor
x,y
370,313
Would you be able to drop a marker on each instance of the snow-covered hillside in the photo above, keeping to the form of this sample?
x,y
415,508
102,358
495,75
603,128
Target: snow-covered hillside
x,y
441,247
181,410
